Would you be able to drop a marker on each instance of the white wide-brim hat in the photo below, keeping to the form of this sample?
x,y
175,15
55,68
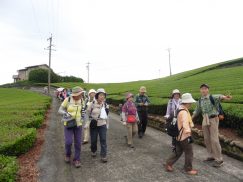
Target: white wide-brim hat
x,y
187,99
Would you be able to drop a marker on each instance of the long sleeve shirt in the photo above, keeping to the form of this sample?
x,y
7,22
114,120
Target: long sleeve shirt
x,y
129,108
172,106
142,99
73,108
94,112
184,123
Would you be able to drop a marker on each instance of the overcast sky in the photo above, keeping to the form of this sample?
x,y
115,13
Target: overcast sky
x,y
124,40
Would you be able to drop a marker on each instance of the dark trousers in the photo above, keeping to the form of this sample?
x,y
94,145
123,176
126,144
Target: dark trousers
x,y
70,134
182,146
101,132
143,117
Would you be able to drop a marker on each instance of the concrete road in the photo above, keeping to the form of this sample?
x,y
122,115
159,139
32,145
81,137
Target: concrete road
x,y
142,164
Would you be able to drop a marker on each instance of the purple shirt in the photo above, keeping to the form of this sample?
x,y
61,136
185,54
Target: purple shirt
x,y
129,108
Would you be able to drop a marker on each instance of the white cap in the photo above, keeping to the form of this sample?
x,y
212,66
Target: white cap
x,y
100,90
92,91
187,99
176,91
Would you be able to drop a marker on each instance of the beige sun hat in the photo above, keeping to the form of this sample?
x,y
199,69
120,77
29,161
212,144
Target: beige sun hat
x,y
76,91
176,91
187,99
143,89
92,91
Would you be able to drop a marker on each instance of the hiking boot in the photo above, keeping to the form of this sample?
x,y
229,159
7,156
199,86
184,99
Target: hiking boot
x,y
192,172
85,142
93,154
104,159
67,159
168,168
218,163
209,159
77,164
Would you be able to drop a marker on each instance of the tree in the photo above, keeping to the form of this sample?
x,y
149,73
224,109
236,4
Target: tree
x,y
41,76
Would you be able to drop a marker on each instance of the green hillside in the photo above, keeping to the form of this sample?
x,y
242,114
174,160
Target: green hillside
x,y
224,78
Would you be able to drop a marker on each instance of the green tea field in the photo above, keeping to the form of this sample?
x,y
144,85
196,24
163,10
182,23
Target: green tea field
x,y
21,113
224,78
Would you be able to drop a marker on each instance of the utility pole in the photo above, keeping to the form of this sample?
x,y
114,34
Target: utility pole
x,y
88,63
49,70
169,60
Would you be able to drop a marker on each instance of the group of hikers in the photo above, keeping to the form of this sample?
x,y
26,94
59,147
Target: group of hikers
x,y
91,116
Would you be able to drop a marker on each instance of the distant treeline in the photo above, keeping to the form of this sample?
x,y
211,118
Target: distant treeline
x,y
41,76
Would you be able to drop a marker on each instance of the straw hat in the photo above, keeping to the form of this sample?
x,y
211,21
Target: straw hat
x,y
187,99
143,89
76,91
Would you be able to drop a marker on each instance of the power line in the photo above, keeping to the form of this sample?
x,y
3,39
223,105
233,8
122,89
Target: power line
x,y
35,19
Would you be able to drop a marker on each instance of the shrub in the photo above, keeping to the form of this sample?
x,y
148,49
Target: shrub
x,y
15,141
41,76
8,168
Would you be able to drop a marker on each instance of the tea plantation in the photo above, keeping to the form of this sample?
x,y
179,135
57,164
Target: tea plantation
x,y
21,113
224,78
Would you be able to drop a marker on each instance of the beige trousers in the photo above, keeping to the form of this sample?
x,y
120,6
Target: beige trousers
x,y
86,134
132,129
211,139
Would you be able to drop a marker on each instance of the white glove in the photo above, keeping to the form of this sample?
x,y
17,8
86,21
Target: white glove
x,y
124,123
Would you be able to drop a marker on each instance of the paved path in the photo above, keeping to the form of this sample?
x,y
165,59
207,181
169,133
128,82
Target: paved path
x,y
143,164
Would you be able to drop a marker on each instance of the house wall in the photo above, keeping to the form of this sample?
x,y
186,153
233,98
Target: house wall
x,y
22,75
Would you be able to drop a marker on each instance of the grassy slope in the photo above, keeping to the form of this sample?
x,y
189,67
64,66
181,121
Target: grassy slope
x,y
224,78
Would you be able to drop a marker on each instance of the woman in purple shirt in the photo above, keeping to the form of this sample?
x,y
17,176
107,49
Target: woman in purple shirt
x,y
173,104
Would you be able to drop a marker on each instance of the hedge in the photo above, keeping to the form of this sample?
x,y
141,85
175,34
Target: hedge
x,y
15,141
8,168
21,114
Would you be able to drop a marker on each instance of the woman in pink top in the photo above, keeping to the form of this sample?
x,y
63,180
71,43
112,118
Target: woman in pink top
x,y
184,140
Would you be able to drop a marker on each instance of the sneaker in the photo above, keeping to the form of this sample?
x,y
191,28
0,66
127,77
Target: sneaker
x,y
77,164
67,159
93,154
168,168
104,160
209,159
192,172
218,163
130,145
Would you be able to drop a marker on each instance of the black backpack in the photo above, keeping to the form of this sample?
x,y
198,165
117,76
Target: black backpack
x,y
172,126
